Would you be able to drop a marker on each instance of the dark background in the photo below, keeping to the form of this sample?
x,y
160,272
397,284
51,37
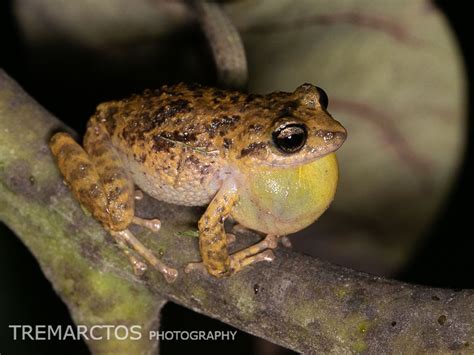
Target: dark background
x,y
445,260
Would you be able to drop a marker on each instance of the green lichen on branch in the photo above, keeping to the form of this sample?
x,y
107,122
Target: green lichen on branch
x,y
296,301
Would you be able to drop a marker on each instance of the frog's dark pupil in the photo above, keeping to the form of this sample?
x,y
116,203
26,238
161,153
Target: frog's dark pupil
x,y
323,98
290,138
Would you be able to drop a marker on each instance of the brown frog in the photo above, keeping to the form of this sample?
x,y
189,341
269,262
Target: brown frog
x,y
265,160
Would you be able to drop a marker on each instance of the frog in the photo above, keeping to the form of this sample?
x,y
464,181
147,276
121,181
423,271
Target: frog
x,y
266,161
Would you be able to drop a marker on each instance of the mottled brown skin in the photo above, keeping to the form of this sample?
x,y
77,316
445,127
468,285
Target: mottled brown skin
x,y
189,145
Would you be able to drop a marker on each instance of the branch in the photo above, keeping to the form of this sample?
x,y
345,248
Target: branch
x,y
296,301
226,44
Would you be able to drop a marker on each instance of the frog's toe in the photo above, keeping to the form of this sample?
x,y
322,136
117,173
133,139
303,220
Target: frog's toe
x,y
126,239
270,241
255,253
238,263
152,224
170,274
286,242
139,267
138,195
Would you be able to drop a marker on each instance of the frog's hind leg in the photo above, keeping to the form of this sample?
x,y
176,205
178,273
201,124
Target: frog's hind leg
x,y
80,175
101,185
121,194
114,178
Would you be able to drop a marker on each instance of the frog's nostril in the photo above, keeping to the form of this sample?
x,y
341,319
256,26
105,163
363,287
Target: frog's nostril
x,y
332,138
329,136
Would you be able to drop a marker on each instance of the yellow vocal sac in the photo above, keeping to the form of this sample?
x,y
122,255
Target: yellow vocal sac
x,y
285,200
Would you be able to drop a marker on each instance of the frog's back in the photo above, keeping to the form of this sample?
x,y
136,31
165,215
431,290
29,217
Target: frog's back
x,y
174,139
197,116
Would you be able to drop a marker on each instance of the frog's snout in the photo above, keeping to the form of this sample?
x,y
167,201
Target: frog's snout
x,y
332,138
339,137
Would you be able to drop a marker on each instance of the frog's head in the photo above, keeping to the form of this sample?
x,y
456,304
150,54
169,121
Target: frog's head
x,y
299,130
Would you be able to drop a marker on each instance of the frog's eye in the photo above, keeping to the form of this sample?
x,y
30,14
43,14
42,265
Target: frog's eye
x,y
290,138
323,98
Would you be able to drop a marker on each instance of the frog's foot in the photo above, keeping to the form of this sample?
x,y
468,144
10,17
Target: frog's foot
x,y
152,224
138,195
255,253
126,239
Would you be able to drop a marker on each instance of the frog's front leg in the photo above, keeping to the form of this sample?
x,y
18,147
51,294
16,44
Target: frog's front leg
x,y
102,185
213,239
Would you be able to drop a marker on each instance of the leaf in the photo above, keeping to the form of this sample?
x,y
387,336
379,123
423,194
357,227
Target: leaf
x,y
188,233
